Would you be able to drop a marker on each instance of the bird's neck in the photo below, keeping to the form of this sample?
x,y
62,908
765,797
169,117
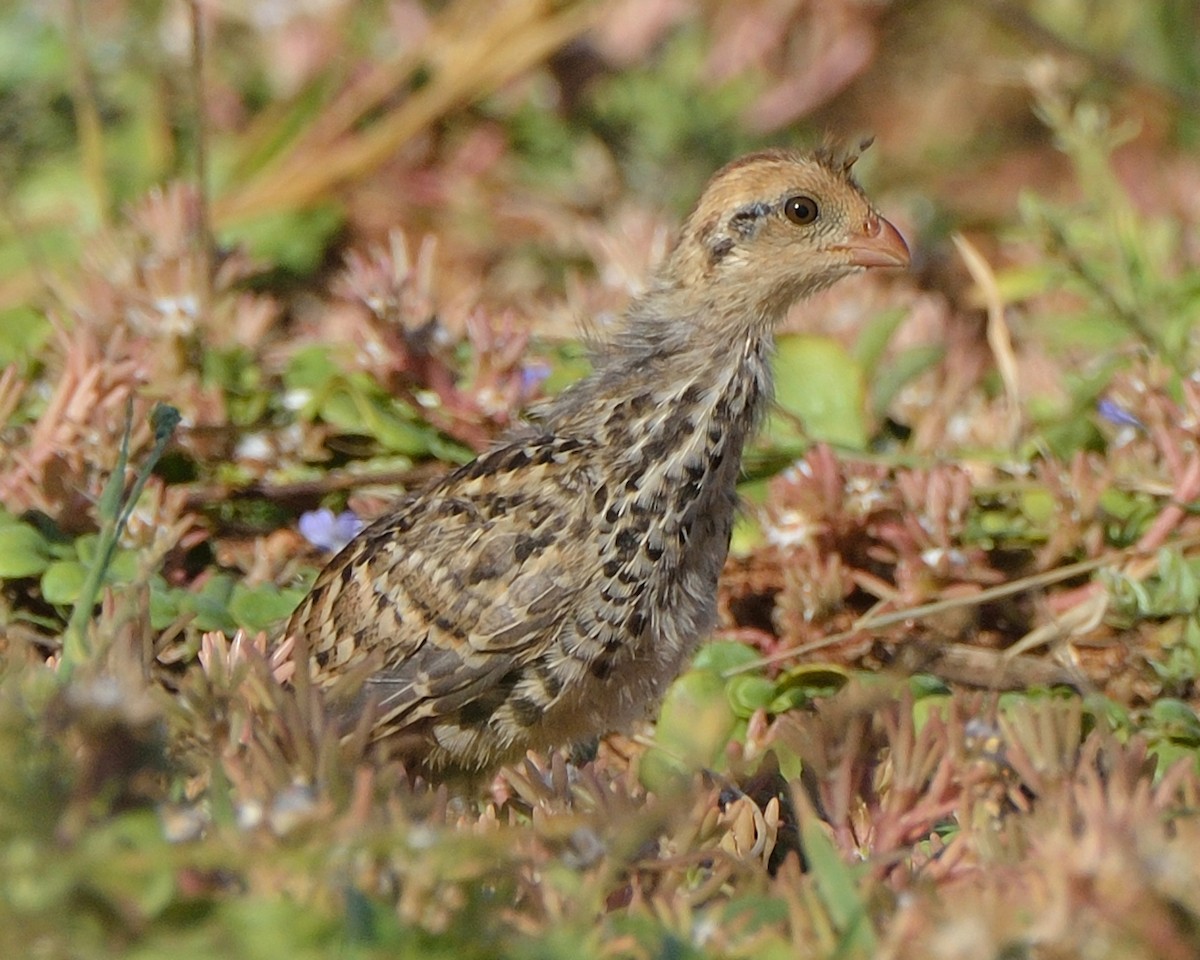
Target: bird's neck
x,y
672,391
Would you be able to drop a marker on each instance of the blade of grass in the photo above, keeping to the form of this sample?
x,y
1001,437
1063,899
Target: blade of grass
x,y
114,516
87,113
838,884
467,65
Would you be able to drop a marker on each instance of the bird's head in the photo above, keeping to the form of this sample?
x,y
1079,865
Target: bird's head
x,y
776,226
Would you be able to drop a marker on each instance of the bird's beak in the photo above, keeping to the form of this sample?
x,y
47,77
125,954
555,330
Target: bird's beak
x,y
879,244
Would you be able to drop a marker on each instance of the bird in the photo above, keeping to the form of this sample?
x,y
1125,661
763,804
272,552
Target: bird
x,y
548,592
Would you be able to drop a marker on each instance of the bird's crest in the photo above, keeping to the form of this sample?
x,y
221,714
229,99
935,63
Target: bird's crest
x,y
840,157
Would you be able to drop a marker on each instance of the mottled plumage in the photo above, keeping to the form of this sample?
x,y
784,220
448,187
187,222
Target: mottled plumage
x,y
549,591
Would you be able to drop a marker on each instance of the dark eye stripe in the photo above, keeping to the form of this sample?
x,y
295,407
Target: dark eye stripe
x,y
744,220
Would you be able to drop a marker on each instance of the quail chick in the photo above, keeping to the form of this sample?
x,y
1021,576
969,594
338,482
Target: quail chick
x,y
549,591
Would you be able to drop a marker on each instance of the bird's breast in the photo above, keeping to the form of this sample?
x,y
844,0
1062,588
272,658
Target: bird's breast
x,y
664,512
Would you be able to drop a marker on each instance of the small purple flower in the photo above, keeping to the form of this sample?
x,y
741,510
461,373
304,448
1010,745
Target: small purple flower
x,y
1114,413
533,375
328,532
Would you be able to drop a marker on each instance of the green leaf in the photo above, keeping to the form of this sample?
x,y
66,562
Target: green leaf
x,y
819,384
62,582
211,605
311,368
1039,506
804,683
441,448
260,607
932,705
1176,720
874,336
907,366
22,332
395,431
694,726
818,679
359,406
294,240
747,693
87,548
1122,504
567,364
747,535
838,886
124,567
166,603
723,656
345,409
1167,753
790,698
130,863
1109,715
747,529
239,377
23,552
927,685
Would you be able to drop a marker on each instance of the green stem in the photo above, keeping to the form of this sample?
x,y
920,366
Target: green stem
x,y
115,512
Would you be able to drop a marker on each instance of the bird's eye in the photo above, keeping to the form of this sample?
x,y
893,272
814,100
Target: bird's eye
x,y
801,209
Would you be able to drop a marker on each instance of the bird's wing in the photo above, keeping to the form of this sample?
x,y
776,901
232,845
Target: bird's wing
x,y
440,603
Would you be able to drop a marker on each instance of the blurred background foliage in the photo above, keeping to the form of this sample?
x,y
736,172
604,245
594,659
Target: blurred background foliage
x,y
952,707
